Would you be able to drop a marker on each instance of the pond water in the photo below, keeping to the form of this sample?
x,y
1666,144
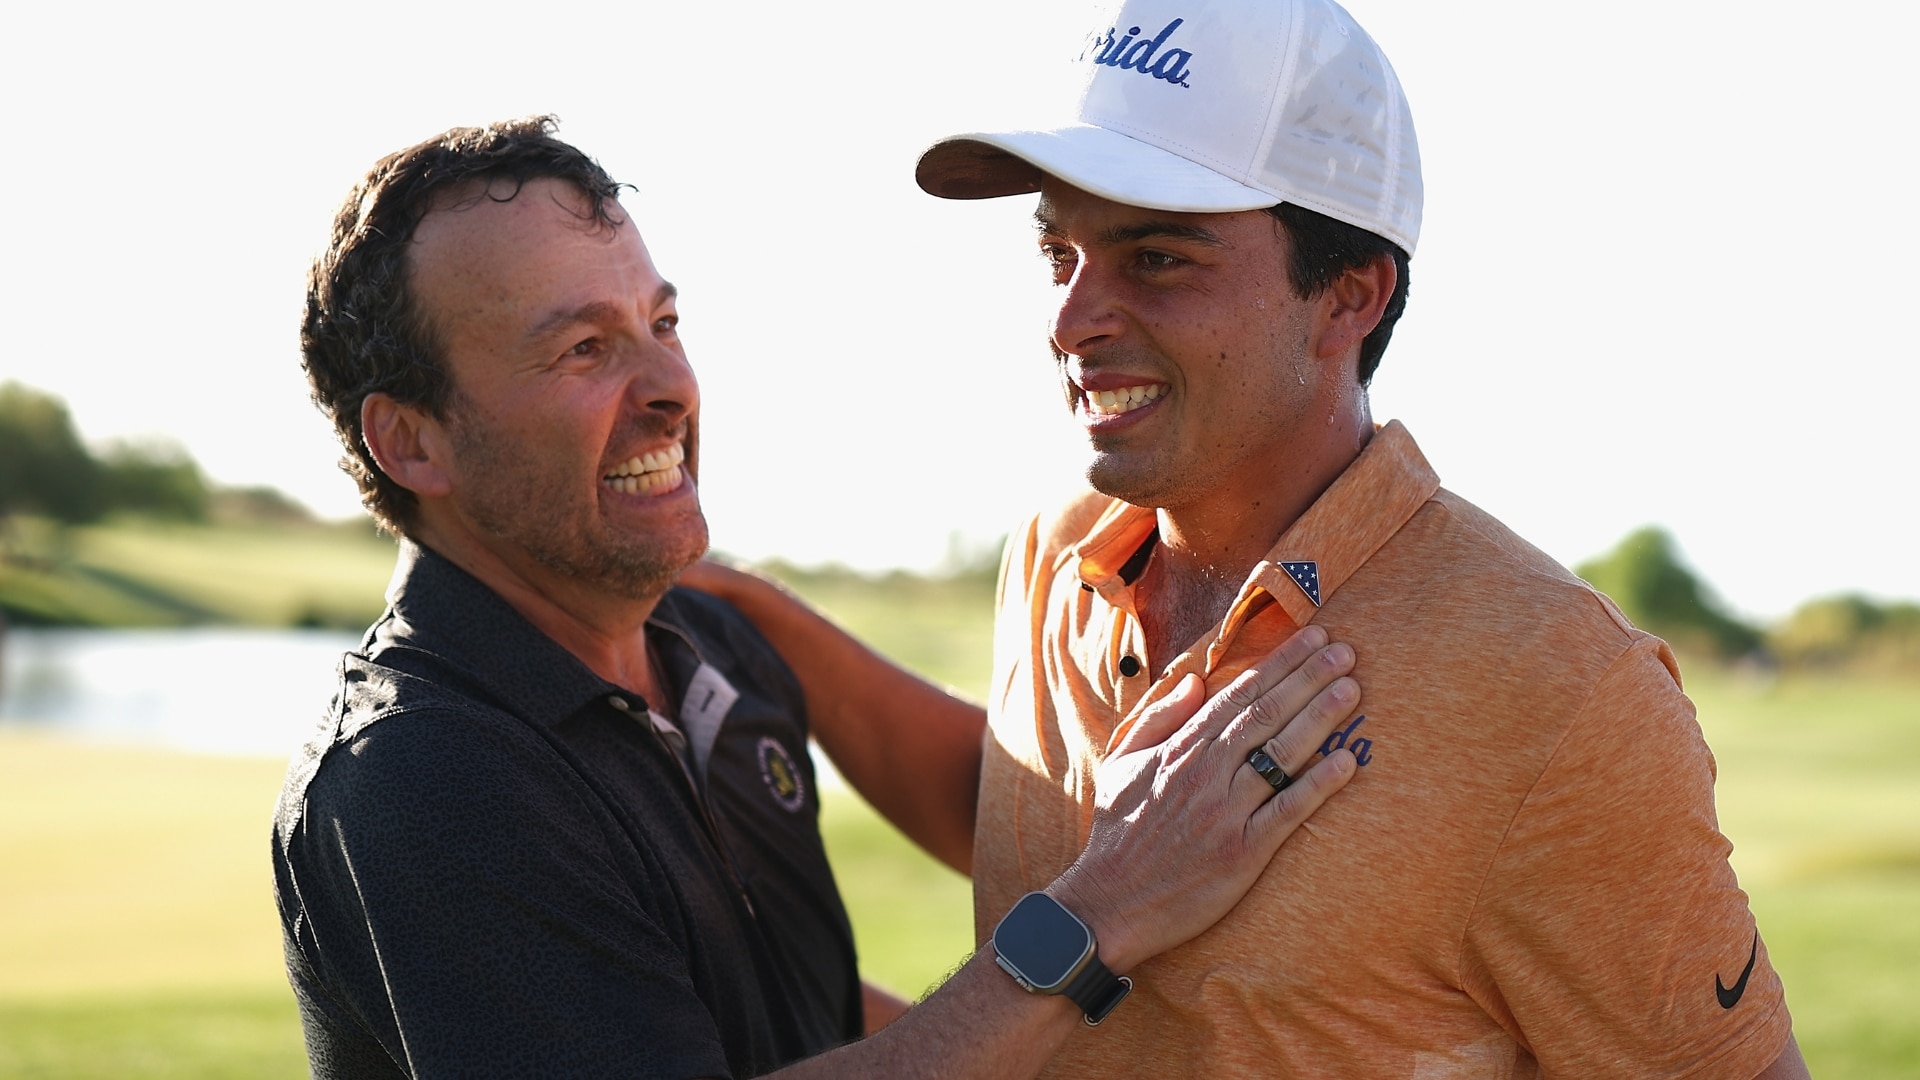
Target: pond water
x,y
227,690
222,691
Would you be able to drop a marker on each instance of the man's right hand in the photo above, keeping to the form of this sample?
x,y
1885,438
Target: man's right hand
x,y
1182,824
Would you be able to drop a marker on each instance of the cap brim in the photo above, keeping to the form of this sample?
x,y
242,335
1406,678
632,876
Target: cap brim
x,y
987,165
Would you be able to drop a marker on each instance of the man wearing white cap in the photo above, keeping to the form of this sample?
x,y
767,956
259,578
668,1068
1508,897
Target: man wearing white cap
x,y
1526,877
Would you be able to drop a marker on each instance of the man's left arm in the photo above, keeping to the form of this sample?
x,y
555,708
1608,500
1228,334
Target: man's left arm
x,y
1610,936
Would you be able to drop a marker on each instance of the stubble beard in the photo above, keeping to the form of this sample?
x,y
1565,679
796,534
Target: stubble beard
x,y
526,509
1141,475
1135,478
1142,470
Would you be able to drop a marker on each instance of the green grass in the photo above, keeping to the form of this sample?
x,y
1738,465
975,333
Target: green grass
x,y
125,871
141,573
1848,949
137,930
188,1035
1819,790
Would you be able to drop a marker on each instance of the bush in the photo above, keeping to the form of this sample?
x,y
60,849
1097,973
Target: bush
x,y
1850,633
44,468
154,479
258,506
1645,576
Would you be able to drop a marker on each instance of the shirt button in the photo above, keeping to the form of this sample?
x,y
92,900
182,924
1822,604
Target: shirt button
x,y
1129,667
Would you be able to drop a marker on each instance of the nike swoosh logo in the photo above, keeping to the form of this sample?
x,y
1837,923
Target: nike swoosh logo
x,y
1730,995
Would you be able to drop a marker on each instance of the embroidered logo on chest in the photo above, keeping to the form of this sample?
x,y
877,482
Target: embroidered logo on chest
x,y
782,776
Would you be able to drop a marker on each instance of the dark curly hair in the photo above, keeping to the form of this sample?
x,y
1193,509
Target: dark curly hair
x,y
1323,249
364,332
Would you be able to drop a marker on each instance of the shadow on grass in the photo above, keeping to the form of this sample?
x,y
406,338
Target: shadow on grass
x,y
177,607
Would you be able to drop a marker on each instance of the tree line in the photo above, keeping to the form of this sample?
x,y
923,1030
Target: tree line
x,y
1645,576
45,469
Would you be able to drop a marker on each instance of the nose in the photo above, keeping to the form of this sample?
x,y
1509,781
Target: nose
x,y
1087,317
661,382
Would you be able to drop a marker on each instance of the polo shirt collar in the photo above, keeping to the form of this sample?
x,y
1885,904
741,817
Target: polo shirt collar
x,y
448,612
1369,502
1351,520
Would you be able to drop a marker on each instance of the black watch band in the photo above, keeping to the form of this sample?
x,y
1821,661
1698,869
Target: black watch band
x,y
1097,990
1048,950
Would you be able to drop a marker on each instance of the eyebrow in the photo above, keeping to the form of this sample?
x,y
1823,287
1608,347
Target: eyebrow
x,y
1140,230
593,312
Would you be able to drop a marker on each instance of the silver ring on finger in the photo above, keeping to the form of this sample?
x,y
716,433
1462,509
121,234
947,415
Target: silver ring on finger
x,y
1269,770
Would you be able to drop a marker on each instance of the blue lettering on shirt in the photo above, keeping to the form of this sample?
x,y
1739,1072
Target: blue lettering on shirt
x,y
1362,747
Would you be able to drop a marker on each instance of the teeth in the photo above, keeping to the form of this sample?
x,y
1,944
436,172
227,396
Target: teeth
x,y
1123,400
651,462
651,483
654,473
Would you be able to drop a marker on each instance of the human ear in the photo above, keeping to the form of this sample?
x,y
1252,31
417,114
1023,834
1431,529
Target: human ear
x,y
1352,306
407,444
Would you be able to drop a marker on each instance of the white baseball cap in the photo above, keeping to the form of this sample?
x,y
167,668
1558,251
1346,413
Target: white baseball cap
x,y
1211,106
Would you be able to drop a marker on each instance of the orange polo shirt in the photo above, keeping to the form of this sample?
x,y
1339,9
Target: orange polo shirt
x,y
1525,877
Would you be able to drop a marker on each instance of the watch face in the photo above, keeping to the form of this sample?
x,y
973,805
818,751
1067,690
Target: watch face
x,y
1043,940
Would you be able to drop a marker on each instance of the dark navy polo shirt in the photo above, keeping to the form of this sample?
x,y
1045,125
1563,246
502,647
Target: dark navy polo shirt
x,y
489,863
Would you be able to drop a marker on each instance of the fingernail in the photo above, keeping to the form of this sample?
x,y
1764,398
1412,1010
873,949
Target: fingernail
x,y
1340,653
1315,636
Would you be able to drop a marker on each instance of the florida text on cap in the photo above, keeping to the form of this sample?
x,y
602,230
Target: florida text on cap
x,y
1211,106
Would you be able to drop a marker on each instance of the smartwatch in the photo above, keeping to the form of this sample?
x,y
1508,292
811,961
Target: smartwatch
x,y
1048,950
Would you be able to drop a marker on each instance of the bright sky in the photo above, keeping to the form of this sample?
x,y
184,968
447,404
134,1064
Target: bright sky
x,y
1667,258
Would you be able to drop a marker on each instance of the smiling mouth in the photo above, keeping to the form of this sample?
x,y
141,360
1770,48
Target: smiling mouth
x,y
1124,400
653,473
